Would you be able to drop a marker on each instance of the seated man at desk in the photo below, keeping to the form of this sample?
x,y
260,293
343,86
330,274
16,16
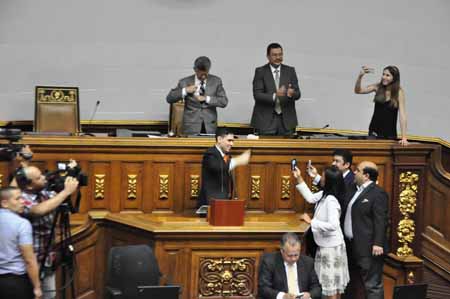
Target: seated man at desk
x,y
286,274
202,94
217,164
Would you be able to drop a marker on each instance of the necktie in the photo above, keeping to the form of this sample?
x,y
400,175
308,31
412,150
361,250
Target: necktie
x,y
292,288
226,158
277,83
202,88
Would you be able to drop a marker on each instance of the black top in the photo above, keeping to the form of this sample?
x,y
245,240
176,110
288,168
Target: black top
x,y
384,118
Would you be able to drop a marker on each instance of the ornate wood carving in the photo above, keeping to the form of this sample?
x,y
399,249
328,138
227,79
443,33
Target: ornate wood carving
x,y
132,187
229,276
99,192
407,205
1,179
195,186
285,187
256,187
59,95
163,186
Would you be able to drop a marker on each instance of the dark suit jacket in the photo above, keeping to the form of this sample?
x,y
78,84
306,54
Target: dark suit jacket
x,y
195,112
272,276
216,177
369,219
263,89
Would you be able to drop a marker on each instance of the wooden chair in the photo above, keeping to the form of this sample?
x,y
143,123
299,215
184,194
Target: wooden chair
x,y
176,118
57,109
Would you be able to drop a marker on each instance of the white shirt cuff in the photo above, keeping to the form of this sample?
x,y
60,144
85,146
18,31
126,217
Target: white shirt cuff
x,y
232,164
208,98
280,295
183,92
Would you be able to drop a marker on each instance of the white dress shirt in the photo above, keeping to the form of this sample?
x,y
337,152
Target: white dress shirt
x,y
348,230
197,83
286,265
272,69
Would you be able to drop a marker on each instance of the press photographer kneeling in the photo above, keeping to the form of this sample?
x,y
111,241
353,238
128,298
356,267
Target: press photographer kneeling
x,y
42,202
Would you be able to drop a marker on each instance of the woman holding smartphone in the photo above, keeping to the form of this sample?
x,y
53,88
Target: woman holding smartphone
x,y
330,261
389,103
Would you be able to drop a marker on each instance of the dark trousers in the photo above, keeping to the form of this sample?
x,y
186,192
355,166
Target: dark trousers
x,y
16,286
276,127
366,276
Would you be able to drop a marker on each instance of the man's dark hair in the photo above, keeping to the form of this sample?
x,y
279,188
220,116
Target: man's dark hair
x,y
222,132
289,238
273,46
372,172
202,63
346,155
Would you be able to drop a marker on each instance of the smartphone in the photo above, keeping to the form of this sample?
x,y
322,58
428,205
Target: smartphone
x,y
293,164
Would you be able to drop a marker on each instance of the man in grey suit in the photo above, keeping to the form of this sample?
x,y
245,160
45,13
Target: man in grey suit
x,y
202,94
275,90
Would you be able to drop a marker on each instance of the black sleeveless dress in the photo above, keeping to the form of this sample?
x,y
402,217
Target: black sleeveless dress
x,y
384,118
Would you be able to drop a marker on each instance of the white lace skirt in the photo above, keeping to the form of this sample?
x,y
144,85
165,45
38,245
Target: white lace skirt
x,y
332,269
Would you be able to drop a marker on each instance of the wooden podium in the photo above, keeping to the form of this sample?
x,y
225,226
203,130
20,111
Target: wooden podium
x,y
226,212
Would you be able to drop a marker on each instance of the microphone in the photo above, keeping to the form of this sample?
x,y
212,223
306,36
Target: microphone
x,y
94,112
97,104
324,127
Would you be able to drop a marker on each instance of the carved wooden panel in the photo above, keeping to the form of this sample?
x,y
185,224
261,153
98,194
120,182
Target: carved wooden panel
x,y
99,184
191,188
285,187
257,186
131,186
163,183
223,274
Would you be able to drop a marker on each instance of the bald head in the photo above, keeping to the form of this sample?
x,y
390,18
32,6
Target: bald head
x,y
366,171
35,180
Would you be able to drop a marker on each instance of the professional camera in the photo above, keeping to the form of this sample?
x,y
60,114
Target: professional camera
x,y
56,179
9,151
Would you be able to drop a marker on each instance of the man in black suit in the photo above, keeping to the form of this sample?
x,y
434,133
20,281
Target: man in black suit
x,y
342,159
365,226
285,274
216,167
275,90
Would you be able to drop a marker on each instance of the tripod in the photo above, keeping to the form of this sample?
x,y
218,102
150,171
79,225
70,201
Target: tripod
x,y
66,250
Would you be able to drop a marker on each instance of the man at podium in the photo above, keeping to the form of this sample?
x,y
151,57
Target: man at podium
x,y
217,164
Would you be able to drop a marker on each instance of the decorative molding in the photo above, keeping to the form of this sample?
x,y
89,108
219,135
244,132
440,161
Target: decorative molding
x,y
195,186
99,190
164,186
57,95
407,205
255,187
285,187
1,179
225,277
132,187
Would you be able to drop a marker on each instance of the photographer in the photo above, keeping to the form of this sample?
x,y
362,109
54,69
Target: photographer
x,y
40,208
21,158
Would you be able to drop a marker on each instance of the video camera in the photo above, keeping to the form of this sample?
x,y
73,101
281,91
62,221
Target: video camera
x,y
56,179
9,151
